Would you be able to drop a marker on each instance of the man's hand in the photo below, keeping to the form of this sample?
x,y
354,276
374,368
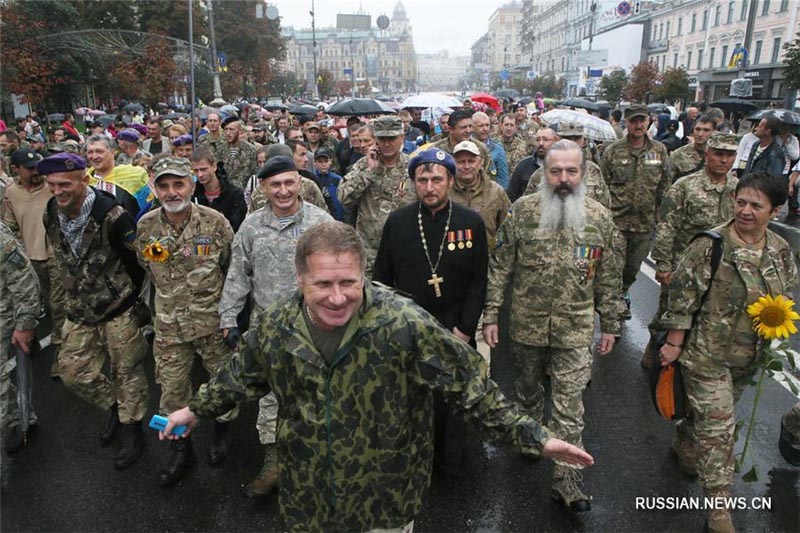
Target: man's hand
x,y
793,182
184,417
457,333
669,354
491,334
607,341
231,337
663,277
559,450
23,339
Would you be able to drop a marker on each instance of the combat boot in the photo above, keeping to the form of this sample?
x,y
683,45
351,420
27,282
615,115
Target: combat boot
x,y
133,442
109,431
788,445
567,484
220,443
181,460
719,520
267,479
684,449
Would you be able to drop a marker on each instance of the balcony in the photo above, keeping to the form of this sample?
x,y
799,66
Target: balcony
x,y
657,46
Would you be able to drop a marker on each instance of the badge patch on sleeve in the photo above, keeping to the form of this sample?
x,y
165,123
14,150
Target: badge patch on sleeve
x,y
16,258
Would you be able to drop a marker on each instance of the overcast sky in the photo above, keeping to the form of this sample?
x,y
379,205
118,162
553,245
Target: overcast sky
x,y
452,25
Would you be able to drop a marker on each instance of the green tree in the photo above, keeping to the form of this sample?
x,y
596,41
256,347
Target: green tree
x,y
644,80
611,85
674,85
325,83
791,69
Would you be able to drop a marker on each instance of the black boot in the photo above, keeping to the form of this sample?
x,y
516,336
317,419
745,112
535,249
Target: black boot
x,y
133,442
220,444
179,463
109,431
15,439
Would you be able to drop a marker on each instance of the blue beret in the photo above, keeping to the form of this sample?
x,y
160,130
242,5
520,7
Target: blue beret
x,y
183,140
432,155
276,165
129,135
63,162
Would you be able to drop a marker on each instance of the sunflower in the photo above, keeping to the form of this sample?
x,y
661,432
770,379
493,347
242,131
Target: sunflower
x,y
155,252
773,317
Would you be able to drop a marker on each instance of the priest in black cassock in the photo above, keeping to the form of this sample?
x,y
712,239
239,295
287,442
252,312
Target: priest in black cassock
x,y
435,252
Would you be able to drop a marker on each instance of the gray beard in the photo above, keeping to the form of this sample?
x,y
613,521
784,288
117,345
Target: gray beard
x,y
562,213
180,208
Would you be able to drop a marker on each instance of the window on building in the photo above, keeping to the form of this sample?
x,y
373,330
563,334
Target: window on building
x,y
717,15
724,58
765,8
688,60
757,52
731,5
784,6
743,13
660,31
776,49
705,20
693,28
667,29
699,60
680,26
711,54
675,61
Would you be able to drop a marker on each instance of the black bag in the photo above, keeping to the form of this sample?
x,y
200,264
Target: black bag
x,y
666,382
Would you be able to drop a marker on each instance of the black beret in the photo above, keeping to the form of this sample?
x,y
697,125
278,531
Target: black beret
x,y
229,120
277,165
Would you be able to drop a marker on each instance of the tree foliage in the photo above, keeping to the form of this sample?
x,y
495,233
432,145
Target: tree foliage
x,y
791,68
611,85
644,80
325,82
674,85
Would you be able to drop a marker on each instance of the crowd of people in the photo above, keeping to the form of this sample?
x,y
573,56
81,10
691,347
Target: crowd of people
x,y
344,273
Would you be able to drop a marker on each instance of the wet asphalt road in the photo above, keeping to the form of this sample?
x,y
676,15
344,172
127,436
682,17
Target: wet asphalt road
x,y
65,480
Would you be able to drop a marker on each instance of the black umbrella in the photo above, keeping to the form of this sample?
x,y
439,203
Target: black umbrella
x,y
360,106
526,100
303,109
580,103
657,108
784,115
275,107
24,389
133,108
511,94
734,104
105,120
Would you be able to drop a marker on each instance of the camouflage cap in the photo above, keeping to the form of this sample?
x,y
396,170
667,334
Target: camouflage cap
x,y
723,141
570,129
57,148
636,110
388,126
172,166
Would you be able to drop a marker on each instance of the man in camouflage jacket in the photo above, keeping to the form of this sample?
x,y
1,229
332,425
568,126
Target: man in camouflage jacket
x,y
690,158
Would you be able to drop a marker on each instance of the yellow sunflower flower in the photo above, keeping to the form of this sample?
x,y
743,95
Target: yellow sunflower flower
x,y
155,252
773,317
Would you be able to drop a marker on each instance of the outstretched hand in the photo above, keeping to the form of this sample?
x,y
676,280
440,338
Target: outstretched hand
x,y
559,450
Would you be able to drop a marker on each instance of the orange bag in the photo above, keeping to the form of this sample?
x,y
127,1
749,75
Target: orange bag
x,y
669,396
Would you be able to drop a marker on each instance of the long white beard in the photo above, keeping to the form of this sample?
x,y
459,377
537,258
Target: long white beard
x,y
562,213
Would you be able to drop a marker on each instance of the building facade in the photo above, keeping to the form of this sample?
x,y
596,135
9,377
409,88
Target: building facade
x,y
503,37
441,71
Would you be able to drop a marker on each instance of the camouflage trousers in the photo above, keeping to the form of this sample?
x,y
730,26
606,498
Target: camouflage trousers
x,y
52,295
791,421
712,395
83,353
655,323
174,366
634,247
267,420
570,370
9,403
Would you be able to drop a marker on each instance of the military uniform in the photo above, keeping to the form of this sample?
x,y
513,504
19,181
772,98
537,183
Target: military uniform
x,y
241,166
637,181
488,199
19,310
516,149
596,187
684,161
374,472
188,286
559,279
721,345
217,144
309,192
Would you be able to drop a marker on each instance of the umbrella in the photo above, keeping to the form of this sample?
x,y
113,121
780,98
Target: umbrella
x,y
784,115
580,103
594,128
24,388
303,109
134,108
55,117
175,116
275,107
360,106
507,93
656,108
487,99
430,100
229,109
96,113
734,104
105,120
82,111
526,100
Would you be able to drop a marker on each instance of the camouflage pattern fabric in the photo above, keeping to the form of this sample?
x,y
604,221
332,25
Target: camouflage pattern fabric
x,y
82,356
243,165
374,472
189,283
375,194
517,148
632,248
596,187
488,199
52,291
309,192
684,161
559,278
218,145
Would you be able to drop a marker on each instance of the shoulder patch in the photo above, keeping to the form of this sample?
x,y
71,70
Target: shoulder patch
x,y
15,258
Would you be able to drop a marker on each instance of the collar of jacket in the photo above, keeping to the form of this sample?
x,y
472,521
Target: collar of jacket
x,y
270,219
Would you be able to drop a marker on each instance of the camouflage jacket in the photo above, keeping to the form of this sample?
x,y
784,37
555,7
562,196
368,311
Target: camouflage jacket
x,y
684,161
19,287
637,181
355,437
375,194
218,145
722,334
309,192
241,167
516,149
262,260
103,280
188,285
488,162
559,279
488,199
693,204
596,187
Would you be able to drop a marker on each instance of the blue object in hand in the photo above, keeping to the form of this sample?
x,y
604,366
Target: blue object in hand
x,y
159,422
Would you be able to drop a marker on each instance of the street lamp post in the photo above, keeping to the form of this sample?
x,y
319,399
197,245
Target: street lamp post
x,y
218,100
316,94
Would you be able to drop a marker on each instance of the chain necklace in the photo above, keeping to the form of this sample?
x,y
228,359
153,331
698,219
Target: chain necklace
x,y
435,279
